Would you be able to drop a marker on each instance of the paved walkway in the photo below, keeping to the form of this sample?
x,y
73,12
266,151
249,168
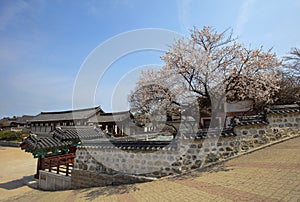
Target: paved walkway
x,y
270,174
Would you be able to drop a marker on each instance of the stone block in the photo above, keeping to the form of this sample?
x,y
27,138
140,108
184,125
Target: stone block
x,y
187,162
176,164
229,149
244,132
245,147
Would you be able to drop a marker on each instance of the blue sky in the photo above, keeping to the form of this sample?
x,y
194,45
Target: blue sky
x,y
43,43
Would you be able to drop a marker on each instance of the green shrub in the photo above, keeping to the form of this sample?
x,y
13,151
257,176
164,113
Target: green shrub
x,y
8,135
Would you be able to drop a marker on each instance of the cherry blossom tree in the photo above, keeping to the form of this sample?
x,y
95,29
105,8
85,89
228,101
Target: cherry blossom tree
x,y
292,64
157,97
290,79
215,65
214,68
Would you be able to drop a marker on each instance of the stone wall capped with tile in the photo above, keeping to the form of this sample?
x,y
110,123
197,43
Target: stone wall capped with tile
x,y
101,166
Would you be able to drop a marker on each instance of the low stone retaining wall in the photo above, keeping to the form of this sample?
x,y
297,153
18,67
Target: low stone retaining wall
x,y
51,181
284,120
10,144
279,126
101,166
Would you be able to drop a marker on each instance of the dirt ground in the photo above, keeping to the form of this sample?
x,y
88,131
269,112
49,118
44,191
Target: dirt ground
x,y
17,169
269,174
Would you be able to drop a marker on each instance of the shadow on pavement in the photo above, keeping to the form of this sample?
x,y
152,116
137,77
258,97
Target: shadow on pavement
x,y
14,184
109,190
219,168
123,189
199,171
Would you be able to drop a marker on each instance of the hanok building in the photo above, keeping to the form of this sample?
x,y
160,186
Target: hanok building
x,y
241,108
115,124
5,123
46,122
18,123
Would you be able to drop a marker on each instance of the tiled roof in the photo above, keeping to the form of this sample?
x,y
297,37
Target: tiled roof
x,y
209,133
66,115
77,132
62,137
34,143
249,120
5,122
283,109
110,117
23,119
131,145
9,122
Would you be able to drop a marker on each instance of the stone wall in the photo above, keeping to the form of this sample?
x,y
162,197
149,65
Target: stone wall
x,y
10,144
279,126
284,120
52,181
101,166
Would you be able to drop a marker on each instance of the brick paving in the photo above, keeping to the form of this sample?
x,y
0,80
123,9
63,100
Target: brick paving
x,y
270,174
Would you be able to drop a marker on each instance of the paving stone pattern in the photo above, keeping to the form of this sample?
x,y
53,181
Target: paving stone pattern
x,y
269,174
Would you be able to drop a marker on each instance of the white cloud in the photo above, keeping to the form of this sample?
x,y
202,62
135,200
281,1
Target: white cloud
x,y
243,16
9,13
99,9
184,15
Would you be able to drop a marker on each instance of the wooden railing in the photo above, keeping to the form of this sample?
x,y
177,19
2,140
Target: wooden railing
x,y
60,164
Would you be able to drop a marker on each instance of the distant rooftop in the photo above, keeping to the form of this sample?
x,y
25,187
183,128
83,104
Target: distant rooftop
x,y
110,117
67,115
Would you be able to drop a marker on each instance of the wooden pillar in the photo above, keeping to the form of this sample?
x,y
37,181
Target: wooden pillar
x,y
36,176
67,171
50,165
116,129
72,149
57,165
40,166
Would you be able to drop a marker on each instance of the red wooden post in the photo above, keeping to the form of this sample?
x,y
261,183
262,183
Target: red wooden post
x,y
50,165
57,165
38,167
67,171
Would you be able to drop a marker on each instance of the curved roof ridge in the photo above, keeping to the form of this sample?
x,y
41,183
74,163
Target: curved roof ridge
x,y
70,111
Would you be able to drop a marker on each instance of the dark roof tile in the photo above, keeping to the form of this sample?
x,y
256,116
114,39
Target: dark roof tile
x,y
110,117
249,120
61,137
216,132
33,143
283,109
66,115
